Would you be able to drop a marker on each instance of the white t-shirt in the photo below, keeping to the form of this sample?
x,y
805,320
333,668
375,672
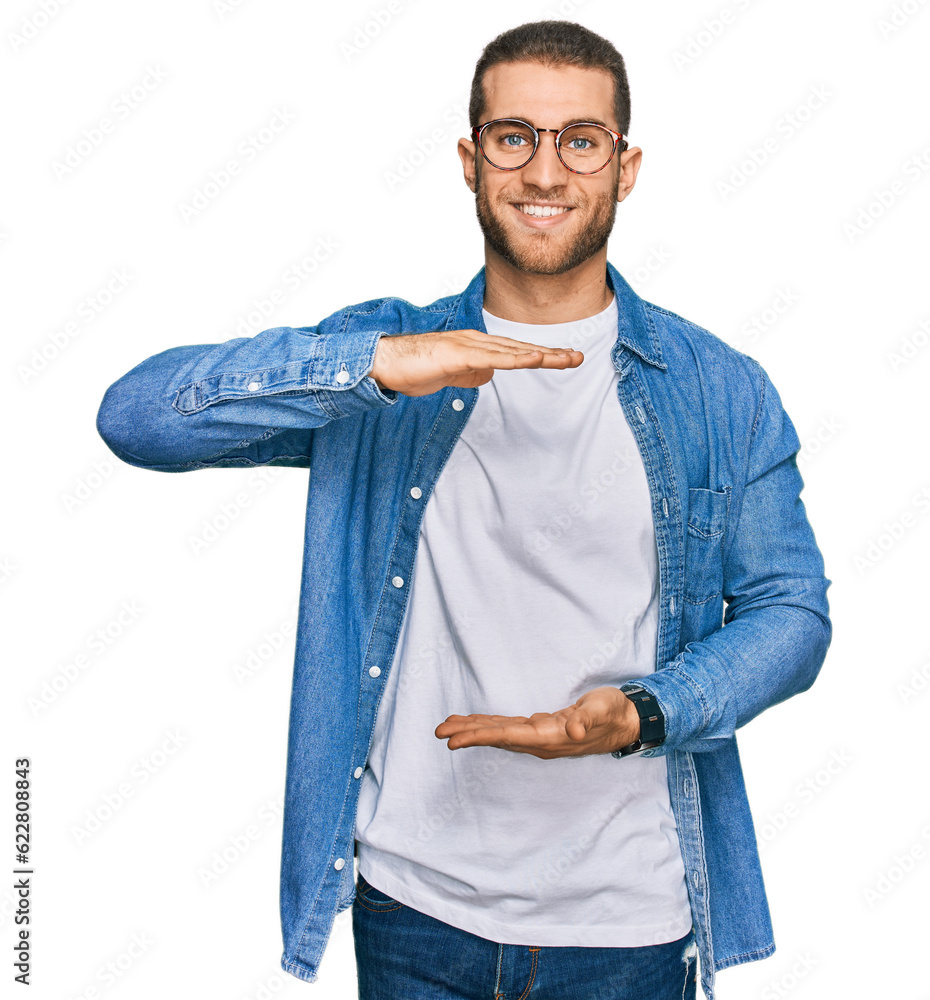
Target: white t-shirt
x,y
535,581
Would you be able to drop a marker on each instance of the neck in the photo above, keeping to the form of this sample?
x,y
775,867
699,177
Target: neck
x,y
546,298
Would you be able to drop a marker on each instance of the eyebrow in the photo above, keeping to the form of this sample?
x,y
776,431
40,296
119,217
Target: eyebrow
x,y
569,121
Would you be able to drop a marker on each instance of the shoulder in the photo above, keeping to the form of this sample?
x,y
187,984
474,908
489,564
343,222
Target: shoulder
x,y
393,314
688,347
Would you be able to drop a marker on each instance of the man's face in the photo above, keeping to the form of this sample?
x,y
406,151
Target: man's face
x,y
547,97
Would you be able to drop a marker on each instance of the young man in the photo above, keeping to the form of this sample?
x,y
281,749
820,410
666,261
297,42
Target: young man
x,y
599,562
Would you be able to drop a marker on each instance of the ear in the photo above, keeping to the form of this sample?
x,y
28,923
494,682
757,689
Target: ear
x,y
467,151
630,160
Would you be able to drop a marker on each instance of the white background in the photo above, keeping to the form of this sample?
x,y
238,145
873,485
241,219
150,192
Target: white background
x,y
836,777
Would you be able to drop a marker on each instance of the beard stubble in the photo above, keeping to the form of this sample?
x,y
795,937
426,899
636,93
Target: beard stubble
x,y
542,251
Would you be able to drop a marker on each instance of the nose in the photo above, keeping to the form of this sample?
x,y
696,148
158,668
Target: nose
x,y
545,170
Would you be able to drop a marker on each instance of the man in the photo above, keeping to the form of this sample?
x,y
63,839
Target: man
x,y
599,563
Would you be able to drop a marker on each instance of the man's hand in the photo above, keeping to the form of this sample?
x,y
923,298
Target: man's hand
x,y
600,721
418,364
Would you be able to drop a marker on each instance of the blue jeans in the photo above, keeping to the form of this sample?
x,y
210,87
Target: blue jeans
x,y
403,954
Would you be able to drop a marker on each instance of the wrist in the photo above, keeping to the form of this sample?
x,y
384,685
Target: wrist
x,y
631,725
378,355
651,728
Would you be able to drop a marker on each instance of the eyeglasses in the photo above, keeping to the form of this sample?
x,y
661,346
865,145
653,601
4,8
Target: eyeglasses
x,y
583,147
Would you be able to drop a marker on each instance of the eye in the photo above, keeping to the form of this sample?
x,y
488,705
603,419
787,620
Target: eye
x,y
513,135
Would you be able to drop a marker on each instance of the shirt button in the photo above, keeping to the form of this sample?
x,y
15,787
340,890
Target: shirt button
x,y
398,581
416,493
343,377
457,404
339,864
374,671
358,772
254,385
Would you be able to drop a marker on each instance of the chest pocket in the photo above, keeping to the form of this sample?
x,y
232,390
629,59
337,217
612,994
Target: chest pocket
x,y
707,521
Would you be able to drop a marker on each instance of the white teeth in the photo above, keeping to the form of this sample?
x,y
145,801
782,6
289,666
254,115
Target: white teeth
x,y
541,211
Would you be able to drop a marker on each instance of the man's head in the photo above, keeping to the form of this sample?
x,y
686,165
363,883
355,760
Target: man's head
x,y
549,73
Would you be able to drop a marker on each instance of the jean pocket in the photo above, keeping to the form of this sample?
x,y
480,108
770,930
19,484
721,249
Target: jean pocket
x,y
707,520
373,899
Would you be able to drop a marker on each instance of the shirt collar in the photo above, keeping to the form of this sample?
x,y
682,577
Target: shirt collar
x,y
634,330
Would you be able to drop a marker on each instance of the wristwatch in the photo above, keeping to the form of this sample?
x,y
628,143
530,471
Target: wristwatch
x,y
651,722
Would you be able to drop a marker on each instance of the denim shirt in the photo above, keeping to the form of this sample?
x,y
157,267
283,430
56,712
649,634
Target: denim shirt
x,y
743,620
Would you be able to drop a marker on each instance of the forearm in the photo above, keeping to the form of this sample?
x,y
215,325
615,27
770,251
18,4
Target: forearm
x,y
722,682
238,402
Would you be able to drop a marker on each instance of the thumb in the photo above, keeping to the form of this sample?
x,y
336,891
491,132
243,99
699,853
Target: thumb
x,y
578,724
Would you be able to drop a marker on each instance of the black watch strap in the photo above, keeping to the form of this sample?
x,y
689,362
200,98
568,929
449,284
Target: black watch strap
x,y
651,721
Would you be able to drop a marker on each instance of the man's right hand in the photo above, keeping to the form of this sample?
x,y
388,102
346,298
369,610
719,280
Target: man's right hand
x,y
421,363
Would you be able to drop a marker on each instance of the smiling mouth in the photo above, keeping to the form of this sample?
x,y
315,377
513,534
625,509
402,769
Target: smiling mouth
x,y
541,211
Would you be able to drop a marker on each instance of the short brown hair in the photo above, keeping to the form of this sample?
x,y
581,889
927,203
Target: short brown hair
x,y
553,43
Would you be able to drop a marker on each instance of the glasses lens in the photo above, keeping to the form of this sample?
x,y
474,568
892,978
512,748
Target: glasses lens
x,y
586,147
508,143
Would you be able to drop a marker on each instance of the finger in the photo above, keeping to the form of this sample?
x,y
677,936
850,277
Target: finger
x,y
483,358
513,344
500,735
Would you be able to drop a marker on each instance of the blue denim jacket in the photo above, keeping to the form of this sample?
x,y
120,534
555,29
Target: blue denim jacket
x,y
744,618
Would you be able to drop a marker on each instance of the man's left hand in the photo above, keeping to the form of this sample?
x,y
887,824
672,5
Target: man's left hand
x,y
600,721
